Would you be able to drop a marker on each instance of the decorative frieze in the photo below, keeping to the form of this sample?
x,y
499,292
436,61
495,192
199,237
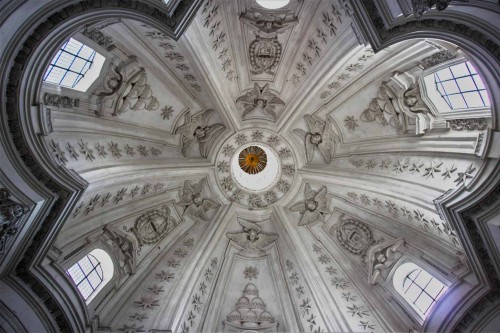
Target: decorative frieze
x,y
60,101
471,124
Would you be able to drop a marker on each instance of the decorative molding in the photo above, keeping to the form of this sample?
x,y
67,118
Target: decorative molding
x,y
347,74
99,37
438,58
471,124
251,240
196,128
314,206
217,33
402,166
60,101
402,213
260,100
422,6
88,153
11,213
326,31
320,137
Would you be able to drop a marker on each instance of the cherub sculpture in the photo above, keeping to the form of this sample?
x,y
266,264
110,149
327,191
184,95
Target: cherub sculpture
x,y
413,101
313,207
10,213
320,136
195,128
195,205
251,239
260,99
383,257
268,26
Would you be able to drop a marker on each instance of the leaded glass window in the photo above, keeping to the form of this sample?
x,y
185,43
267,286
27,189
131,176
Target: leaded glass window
x,y
70,64
461,87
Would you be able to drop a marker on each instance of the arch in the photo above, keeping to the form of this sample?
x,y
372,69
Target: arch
x,y
417,287
26,54
91,273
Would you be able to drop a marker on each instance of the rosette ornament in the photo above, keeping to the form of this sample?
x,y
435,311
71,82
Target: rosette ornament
x,y
313,207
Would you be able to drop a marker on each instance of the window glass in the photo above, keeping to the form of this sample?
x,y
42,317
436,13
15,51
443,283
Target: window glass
x,y
74,66
461,87
419,288
91,273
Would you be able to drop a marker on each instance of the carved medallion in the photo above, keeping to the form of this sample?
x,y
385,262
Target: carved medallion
x,y
265,53
355,236
150,227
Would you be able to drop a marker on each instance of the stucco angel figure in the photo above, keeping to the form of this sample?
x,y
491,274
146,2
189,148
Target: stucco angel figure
x,y
195,128
320,137
251,239
382,110
413,101
195,205
268,26
260,99
383,258
313,207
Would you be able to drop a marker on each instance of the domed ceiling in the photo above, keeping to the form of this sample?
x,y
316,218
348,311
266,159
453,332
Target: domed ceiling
x,y
347,155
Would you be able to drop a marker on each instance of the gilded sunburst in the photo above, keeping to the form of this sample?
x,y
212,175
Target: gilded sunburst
x,y
252,160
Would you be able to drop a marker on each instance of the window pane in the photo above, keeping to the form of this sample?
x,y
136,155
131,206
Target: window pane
x,y
450,87
85,289
413,292
72,61
424,302
94,279
434,288
457,101
466,83
444,74
459,70
76,274
473,99
486,98
423,279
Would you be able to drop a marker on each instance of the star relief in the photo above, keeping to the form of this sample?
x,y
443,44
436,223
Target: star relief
x,y
313,207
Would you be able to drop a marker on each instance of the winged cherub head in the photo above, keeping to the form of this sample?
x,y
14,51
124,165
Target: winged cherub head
x,y
313,207
320,137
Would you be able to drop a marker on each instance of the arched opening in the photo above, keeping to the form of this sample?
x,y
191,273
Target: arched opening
x,y
91,273
418,287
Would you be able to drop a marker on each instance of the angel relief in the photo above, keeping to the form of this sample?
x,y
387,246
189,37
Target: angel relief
x,y
251,240
320,137
260,100
194,205
195,128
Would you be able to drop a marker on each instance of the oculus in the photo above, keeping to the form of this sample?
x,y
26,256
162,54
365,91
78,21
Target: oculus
x,y
252,160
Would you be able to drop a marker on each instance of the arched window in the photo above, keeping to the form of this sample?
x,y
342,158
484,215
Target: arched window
x,y
74,66
461,87
91,273
419,288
